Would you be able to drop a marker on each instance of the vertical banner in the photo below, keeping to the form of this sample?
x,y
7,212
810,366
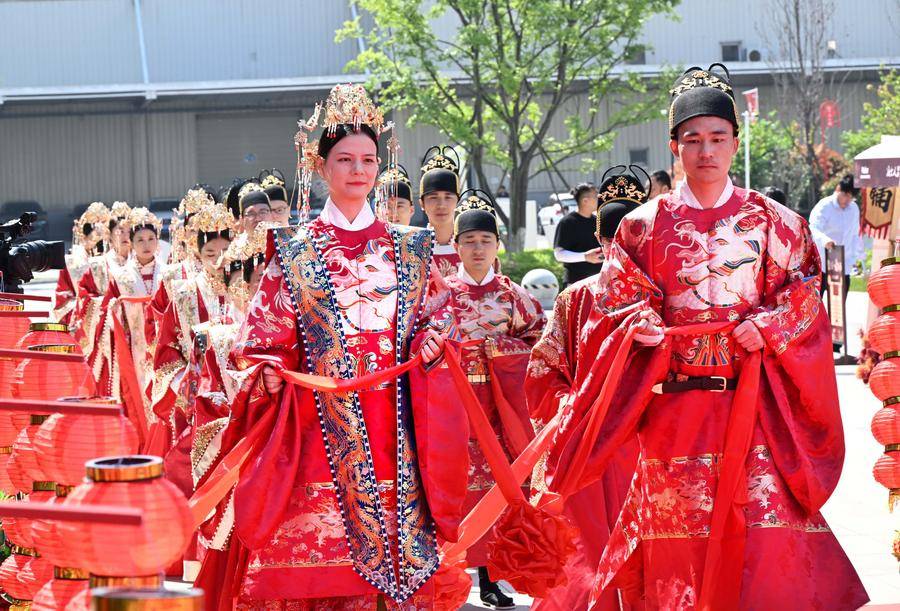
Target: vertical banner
x,y
878,205
834,266
751,96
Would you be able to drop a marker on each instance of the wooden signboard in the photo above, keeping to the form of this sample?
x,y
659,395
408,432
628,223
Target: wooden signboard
x,y
834,273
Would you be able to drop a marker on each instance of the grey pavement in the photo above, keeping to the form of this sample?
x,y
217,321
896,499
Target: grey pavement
x,y
857,511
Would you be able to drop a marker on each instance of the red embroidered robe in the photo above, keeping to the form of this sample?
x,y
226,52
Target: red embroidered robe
x,y
105,359
748,259
339,509
91,290
511,321
446,259
195,302
66,293
561,361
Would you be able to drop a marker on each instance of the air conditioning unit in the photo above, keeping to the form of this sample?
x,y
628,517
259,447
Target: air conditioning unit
x,y
755,55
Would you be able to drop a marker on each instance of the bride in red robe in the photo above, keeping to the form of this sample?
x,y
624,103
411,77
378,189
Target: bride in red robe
x,y
95,282
88,239
341,507
199,299
713,308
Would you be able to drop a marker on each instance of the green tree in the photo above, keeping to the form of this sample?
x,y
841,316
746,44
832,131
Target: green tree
x,y
520,84
883,119
776,158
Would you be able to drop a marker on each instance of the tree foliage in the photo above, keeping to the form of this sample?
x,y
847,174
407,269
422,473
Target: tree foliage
x,y
877,120
776,158
520,84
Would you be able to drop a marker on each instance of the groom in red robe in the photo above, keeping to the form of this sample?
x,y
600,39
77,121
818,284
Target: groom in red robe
x,y
715,351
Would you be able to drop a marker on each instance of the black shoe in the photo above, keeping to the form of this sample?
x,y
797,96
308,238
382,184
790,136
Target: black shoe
x,y
491,594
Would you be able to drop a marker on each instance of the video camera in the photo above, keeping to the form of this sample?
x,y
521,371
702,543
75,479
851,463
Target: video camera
x,y
19,261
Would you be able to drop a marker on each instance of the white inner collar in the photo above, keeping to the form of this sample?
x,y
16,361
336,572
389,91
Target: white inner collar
x,y
332,215
463,275
684,193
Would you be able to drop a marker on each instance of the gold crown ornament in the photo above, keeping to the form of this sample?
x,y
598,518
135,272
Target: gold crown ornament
x,y
120,210
270,179
244,247
249,187
194,201
142,217
212,218
474,202
97,215
347,104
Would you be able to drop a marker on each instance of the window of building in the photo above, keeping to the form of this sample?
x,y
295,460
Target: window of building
x,y
637,57
731,51
639,157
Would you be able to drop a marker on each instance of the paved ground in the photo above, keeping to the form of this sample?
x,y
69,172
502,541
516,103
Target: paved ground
x,y
858,509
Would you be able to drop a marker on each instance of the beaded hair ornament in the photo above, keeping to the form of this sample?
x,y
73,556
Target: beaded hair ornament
x,y
120,210
243,248
96,215
212,218
271,178
346,105
140,218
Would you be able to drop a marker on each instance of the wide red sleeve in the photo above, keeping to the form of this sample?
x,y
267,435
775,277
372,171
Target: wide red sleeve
x,y
64,297
803,428
551,368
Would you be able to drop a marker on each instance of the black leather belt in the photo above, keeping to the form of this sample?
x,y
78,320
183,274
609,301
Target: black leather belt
x,y
710,383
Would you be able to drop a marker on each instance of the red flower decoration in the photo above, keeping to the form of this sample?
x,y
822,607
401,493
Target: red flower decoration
x,y
451,585
530,549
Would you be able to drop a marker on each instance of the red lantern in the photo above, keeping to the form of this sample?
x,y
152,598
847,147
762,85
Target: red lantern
x,y
884,284
884,334
58,593
48,334
80,602
887,470
11,331
160,540
24,469
886,426
21,576
66,442
885,379
49,380
13,328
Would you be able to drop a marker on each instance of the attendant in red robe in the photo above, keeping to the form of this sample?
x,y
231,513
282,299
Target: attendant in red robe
x,y
95,282
489,307
137,279
438,194
88,239
561,362
183,262
200,298
740,443
339,509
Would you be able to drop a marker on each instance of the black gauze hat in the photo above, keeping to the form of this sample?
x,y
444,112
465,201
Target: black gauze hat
x,y
395,179
700,93
475,212
272,181
619,194
440,171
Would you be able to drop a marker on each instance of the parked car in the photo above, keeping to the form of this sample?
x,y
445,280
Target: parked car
x,y
40,229
557,206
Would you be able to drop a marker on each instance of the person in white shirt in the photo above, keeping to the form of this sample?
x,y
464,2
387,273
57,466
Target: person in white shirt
x,y
835,221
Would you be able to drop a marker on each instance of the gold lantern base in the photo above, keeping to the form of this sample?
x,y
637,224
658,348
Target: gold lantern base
x,y
140,581
105,599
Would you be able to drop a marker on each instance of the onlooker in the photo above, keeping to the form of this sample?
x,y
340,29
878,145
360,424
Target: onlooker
x,y
835,221
575,244
660,183
776,194
502,192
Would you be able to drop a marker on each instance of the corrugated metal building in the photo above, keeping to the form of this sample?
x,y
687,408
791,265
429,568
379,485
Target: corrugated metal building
x,y
138,99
